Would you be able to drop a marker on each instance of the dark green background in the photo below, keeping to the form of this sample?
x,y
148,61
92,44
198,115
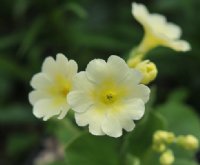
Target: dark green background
x,y
31,30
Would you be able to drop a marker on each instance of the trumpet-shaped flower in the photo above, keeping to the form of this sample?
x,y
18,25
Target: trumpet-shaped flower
x,y
108,97
158,32
51,87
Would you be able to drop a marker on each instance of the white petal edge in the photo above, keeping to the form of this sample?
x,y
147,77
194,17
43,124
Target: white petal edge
x,y
180,45
95,128
133,109
91,118
80,82
45,109
97,71
134,77
140,91
127,124
64,110
118,68
40,81
67,68
111,126
49,67
173,31
140,12
36,95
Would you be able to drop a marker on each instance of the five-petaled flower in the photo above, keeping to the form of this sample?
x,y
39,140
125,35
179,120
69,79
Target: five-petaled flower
x,y
51,87
108,97
158,32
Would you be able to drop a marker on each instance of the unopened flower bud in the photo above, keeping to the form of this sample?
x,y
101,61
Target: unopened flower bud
x,y
188,142
167,158
159,147
149,71
163,136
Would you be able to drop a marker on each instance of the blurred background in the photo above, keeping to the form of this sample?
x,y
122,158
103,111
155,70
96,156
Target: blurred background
x,y
31,30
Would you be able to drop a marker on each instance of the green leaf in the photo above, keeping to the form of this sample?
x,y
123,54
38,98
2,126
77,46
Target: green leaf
x,y
182,120
59,162
77,9
138,143
16,113
179,96
31,35
97,40
140,140
181,117
64,130
131,160
8,41
11,69
20,8
5,88
16,143
184,162
93,150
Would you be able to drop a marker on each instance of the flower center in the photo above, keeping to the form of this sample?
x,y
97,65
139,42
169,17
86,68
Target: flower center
x,y
63,86
64,91
109,97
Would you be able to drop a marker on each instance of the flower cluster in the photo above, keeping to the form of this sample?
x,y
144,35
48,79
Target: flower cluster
x,y
107,96
162,140
158,32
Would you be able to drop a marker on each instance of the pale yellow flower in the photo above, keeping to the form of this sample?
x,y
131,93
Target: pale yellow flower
x,y
108,97
51,87
158,32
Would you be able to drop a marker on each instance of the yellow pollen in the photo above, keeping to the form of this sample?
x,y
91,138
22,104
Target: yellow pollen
x,y
109,97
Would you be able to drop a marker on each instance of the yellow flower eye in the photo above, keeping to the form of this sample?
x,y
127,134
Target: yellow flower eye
x,y
109,97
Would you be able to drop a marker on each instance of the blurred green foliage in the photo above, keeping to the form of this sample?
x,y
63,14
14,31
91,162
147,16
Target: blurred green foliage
x,y
136,147
83,30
